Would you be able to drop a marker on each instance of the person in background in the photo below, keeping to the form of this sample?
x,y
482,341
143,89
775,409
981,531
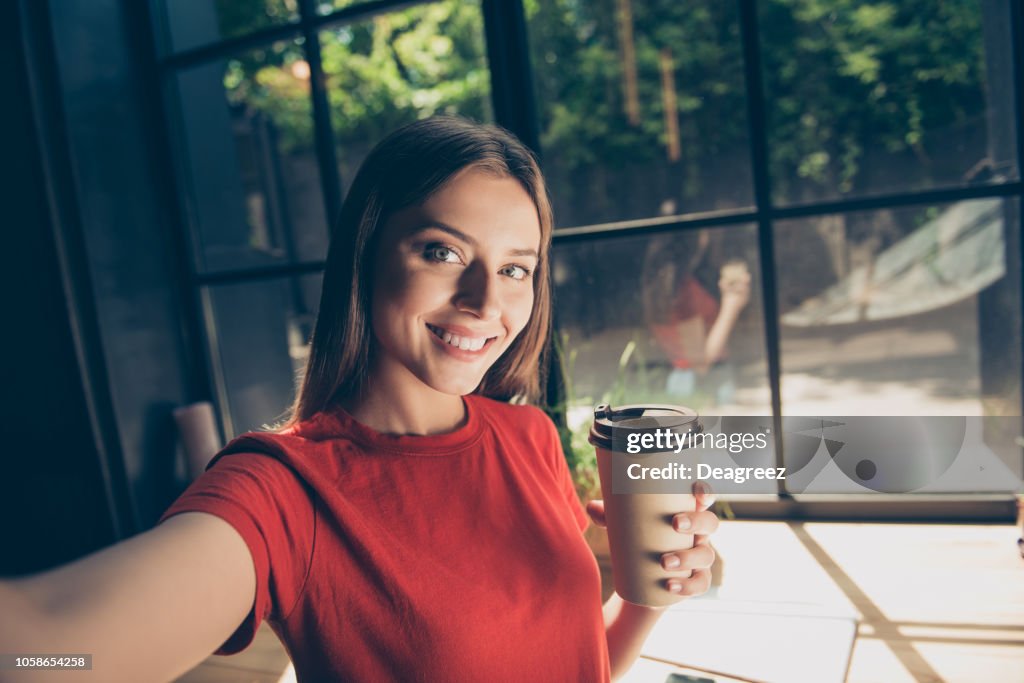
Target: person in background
x,y
688,323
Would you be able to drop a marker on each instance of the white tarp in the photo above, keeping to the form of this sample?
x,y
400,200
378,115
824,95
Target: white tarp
x,y
951,257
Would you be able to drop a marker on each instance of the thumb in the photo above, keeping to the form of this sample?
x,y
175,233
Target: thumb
x,y
595,509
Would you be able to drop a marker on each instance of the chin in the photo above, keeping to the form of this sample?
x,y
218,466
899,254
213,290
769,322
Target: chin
x,y
453,386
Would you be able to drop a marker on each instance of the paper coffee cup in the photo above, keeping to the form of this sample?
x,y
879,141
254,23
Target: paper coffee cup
x,y
639,525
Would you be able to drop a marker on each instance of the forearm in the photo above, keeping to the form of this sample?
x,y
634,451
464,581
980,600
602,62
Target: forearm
x,y
147,609
718,335
22,630
627,626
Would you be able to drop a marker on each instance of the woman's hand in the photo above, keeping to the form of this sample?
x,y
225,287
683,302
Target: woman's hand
x,y
734,284
701,523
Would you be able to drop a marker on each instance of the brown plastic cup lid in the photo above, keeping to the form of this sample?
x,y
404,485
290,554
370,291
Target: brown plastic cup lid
x,y
620,422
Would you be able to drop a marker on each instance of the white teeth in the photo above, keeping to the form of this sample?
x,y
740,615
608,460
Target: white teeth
x,y
464,343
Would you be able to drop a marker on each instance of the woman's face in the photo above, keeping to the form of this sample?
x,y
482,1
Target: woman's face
x,y
453,283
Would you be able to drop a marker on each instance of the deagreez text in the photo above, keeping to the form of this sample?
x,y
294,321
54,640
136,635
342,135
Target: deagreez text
x,y
679,471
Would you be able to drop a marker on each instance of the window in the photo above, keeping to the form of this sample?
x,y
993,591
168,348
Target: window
x,y
836,185
860,162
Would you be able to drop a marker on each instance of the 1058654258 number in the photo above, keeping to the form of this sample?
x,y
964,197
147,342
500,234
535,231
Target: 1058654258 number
x,y
45,661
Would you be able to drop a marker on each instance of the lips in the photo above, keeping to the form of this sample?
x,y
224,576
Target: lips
x,y
463,342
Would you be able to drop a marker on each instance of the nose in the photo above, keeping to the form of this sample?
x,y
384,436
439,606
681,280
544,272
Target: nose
x,y
478,293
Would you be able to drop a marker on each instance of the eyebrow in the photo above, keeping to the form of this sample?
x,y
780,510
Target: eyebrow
x,y
455,232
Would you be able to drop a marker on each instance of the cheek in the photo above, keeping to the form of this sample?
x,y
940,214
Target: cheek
x,y
520,309
390,291
402,296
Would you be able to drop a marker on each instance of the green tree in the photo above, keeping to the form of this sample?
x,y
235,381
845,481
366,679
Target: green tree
x,y
380,73
860,95
842,75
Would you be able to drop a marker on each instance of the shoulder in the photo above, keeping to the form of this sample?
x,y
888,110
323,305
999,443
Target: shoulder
x,y
244,455
287,463
254,472
248,487
259,449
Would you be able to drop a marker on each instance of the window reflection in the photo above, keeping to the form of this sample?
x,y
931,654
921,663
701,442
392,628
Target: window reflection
x,y
911,311
636,318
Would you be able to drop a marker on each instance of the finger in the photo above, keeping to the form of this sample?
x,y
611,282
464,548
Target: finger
x,y
704,494
704,522
698,557
697,584
595,509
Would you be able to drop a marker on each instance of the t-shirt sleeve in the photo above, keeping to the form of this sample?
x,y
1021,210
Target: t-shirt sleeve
x,y
270,508
561,469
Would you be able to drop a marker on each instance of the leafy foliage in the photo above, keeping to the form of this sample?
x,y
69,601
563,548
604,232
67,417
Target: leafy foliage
x,y
842,75
380,73
844,80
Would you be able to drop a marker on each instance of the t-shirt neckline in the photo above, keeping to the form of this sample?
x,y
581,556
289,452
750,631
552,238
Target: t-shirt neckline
x,y
337,422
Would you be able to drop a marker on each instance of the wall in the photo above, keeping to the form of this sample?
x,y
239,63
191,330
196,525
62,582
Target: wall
x,y
53,502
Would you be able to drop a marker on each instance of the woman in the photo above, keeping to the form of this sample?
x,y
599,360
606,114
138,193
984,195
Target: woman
x,y
690,325
407,523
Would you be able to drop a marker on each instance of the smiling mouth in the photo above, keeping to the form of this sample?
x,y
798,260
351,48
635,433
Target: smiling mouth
x,y
462,343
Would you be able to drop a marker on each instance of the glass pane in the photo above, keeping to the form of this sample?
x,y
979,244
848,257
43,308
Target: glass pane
x,y
191,23
887,97
254,180
912,311
638,320
262,330
642,108
396,68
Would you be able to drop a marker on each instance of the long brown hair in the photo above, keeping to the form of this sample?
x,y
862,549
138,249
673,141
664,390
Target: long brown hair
x,y
403,170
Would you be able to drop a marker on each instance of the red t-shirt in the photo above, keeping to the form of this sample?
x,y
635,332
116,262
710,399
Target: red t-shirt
x,y
691,302
457,557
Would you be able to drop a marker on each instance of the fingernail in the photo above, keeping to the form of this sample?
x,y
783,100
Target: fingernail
x,y
672,561
683,523
675,587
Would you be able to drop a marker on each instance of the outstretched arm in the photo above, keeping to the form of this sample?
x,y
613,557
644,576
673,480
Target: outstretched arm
x,y
147,609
